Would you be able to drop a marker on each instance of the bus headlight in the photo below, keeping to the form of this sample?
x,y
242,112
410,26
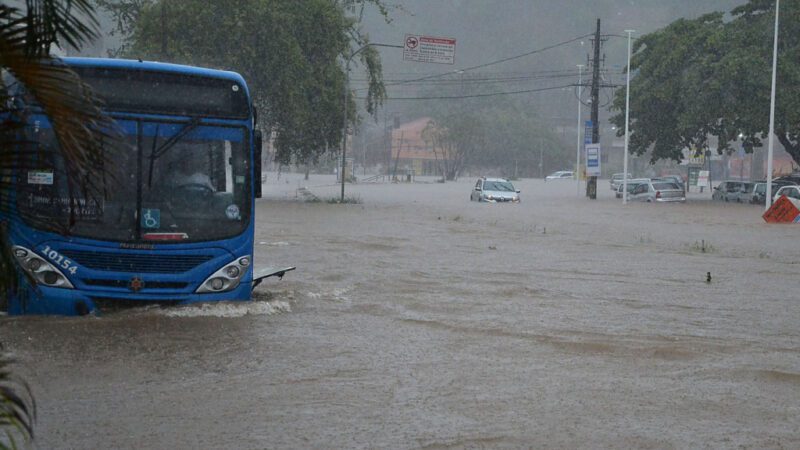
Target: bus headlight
x,y
40,270
226,278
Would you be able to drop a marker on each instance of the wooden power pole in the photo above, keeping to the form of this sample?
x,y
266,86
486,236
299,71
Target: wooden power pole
x,y
591,184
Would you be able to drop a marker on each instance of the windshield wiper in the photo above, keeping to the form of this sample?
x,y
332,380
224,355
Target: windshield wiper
x,y
156,153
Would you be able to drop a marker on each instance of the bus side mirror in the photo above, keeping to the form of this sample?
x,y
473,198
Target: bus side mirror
x,y
258,140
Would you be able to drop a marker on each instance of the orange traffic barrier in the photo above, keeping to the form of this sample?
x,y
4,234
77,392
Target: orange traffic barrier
x,y
784,210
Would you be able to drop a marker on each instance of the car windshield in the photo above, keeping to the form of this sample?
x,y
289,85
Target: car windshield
x,y
194,188
760,188
631,186
502,186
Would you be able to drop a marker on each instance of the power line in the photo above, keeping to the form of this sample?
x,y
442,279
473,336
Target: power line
x,y
552,76
492,63
488,94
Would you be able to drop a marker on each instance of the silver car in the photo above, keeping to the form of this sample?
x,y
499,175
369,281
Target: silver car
x,y
617,180
631,186
560,175
730,191
658,191
494,190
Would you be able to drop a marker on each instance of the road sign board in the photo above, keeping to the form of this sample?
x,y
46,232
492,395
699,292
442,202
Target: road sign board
x,y
429,49
587,132
593,160
702,178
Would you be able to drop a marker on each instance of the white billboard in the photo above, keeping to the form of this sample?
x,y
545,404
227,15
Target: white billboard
x,y
429,49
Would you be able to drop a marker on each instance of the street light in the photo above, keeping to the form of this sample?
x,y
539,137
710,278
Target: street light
x,y
627,119
578,149
768,200
346,93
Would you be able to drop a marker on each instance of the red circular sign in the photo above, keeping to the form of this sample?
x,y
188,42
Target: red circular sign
x,y
412,42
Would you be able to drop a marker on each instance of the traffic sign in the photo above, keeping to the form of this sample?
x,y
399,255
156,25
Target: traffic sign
x,y
429,49
593,160
587,133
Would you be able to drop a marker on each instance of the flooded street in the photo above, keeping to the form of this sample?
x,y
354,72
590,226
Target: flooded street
x,y
419,319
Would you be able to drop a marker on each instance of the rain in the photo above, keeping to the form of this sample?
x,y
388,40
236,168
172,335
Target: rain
x,y
468,273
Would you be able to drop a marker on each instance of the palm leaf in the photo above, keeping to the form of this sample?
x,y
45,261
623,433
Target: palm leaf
x,y
58,21
17,407
80,127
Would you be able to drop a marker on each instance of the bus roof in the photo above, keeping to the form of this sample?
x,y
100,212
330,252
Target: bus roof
x,y
153,66
148,87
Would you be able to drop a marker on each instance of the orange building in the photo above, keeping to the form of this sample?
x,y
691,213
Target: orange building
x,y
411,153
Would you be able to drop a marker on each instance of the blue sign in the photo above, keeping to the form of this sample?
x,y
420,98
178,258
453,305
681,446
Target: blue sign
x,y
151,218
587,133
593,160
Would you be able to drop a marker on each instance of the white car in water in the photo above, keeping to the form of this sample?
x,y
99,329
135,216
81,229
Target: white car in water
x,y
494,190
657,191
560,175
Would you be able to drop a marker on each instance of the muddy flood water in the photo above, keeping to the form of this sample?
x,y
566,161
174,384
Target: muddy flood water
x,y
419,319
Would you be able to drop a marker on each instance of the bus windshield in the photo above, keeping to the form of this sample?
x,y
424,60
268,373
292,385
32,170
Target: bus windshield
x,y
166,181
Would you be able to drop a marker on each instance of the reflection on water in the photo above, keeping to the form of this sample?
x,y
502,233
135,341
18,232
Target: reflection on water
x,y
420,319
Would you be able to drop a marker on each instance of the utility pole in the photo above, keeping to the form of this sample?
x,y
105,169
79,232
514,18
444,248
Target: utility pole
x,y
591,183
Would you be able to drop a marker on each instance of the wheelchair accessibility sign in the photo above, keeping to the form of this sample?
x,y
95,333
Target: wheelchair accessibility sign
x,y
151,218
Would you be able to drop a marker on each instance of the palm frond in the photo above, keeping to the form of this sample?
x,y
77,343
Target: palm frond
x,y
79,125
58,21
17,407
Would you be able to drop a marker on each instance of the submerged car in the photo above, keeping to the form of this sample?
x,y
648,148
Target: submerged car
x,y
658,191
789,191
616,180
729,191
759,194
677,179
631,186
560,175
494,190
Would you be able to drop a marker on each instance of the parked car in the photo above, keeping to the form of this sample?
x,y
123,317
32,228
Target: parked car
x,y
560,175
494,190
727,191
791,191
631,186
658,191
794,178
759,193
677,179
616,180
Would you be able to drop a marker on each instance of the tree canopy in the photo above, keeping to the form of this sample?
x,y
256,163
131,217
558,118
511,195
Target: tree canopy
x,y
711,76
291,52
494,133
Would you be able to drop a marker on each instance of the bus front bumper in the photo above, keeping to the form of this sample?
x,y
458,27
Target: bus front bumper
x,y
42,300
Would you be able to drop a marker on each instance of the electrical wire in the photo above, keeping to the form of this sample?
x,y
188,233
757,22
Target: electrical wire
x,y
492,63
488,94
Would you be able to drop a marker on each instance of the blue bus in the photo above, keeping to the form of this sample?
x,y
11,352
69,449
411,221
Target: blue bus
x,y
171,220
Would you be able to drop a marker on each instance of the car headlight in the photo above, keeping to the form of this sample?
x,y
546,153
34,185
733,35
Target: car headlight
x,y
226,278
39,269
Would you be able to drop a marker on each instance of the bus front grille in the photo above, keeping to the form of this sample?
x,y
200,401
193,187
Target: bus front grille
x,y
125,284
115,262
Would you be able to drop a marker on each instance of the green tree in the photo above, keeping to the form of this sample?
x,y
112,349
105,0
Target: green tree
x,y
291,53
27,35
492,133
710,77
